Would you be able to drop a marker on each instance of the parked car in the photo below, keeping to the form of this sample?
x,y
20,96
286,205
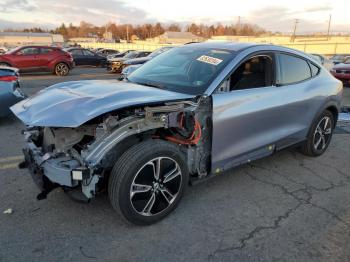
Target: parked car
x,y
188,114
38,58
128,70
85,57
144,59
342,71
115,65
3,50
328,64
121,54
336,59
131,65
10,92
105,52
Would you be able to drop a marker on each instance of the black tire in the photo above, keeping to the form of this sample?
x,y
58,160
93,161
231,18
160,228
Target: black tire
x,y
61,69
129,168
309,148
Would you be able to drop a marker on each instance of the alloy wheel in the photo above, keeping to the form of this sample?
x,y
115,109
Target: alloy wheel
x,y
323,133
62,69
155,186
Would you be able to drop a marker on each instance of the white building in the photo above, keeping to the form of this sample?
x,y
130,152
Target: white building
x,y
170,37
19,38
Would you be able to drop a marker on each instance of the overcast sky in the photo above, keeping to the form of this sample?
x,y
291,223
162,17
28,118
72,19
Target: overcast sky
x,y
274,15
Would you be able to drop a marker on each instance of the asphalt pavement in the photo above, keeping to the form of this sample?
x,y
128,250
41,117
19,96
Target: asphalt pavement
x,y
286,207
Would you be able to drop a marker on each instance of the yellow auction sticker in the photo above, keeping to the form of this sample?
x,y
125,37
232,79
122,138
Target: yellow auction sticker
x,y
209,60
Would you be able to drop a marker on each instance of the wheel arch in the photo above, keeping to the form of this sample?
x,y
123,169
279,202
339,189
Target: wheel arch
x,y
334,110
332,106
6,62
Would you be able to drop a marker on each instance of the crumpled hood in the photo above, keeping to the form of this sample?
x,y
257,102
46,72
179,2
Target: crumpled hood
x,y
71,104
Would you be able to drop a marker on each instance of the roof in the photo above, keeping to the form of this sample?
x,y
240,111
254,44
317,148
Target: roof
x,y
240,46
25,34
233,46
171,34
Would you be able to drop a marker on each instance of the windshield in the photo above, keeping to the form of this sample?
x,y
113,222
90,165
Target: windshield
x,y
347,61
131,55
186,69
13,50
338,57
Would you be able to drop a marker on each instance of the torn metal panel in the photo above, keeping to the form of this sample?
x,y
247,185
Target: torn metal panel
x,y
152,118
71,104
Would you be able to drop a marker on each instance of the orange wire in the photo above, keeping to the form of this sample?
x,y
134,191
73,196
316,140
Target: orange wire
x,y
193,140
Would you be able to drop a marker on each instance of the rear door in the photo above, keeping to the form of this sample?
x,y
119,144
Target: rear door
x,y
78,56
90,58
45,56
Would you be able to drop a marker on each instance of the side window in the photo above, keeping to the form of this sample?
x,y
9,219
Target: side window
x,y
45,51
76,52
28,51
293,69
257,71
88,53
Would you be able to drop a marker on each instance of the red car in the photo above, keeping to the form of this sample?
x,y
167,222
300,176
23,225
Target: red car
x,y
342,71
38,58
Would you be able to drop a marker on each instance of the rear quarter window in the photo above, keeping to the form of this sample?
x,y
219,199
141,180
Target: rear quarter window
x,y
314,69
293,69
46,50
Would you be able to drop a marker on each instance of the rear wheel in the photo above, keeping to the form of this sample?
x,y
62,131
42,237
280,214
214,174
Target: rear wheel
x,y
147,182
320,135
61,69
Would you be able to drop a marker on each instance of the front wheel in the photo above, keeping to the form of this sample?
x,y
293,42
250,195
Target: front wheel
x,y
319,135
147,182
61,69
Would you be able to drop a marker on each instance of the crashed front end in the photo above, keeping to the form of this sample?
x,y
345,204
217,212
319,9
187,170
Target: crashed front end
x,y
82,157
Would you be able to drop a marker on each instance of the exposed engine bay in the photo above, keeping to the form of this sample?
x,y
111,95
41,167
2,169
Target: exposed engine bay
x,y
82,157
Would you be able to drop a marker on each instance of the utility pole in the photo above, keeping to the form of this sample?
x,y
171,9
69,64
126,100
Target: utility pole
x,y
239,25
127,33
329,26
295,29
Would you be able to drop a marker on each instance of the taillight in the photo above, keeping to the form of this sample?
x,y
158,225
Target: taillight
x,y
8,78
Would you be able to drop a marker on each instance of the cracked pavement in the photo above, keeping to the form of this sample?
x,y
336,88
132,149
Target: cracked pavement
x,y
286,207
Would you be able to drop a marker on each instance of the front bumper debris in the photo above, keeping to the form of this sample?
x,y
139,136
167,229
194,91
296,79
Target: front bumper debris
x,y
49,172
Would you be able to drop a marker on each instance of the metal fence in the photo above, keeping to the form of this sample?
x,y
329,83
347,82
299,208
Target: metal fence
x,y
125,46
322,48
319,48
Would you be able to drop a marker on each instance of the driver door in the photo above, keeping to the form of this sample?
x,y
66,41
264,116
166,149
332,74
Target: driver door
x,y
27,58
245,113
